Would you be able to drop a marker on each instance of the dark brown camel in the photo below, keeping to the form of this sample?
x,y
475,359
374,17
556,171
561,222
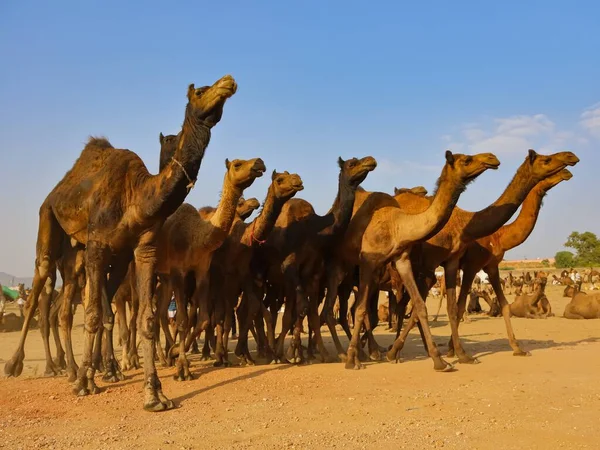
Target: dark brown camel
x,y
294,252
111,204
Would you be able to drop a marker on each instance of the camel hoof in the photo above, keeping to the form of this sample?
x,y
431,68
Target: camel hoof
x,y
521,353
158,406
375,356
450,353
14,367
81,392
71,375
466,359
60,362
446,368
205,358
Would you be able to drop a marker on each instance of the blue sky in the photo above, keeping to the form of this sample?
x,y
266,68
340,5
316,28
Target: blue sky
x,y
317,80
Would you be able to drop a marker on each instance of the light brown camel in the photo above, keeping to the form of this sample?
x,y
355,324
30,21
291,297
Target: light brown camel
x,y
345,256
111,204
185,247
230,272
294,254
390,235
583,306
448,246
535,305
488,252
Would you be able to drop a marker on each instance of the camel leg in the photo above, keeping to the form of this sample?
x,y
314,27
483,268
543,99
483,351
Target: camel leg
x,y
366,285
120,304
163,297
145,258
133,357
200,305
404,268
267,317
59,361
66,324
467,280
494,278
182,364
45,306
344,291
96,265
223,308
247,310
439,308
112,372
335,277
451,269
286,324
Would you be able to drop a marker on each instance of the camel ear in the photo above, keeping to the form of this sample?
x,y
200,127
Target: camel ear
x,y
396,191
191,90
449,157
341,162
532,155
161,138
273,175
227,163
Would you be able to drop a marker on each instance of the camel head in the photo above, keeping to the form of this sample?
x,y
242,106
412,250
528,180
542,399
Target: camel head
x,y
245,208
285,184
468,167
417,190
355,170
242,173
543,166
168,146
207,102
548,183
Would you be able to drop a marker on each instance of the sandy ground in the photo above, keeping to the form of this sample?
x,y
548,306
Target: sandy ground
x,y
548,400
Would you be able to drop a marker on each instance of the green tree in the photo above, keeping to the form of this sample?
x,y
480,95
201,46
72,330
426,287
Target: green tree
x,y
587,246
564,259
545,263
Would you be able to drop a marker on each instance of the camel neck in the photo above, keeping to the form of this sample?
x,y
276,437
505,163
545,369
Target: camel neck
x,y
489,220
338,218
261,227
226,210
164,193
434,218
516,232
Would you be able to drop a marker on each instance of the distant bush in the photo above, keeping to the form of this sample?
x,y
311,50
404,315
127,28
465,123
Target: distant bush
x,y
507,268
545,263
564,259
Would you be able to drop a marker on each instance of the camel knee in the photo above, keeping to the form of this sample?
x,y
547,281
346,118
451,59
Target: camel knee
x,y
92,322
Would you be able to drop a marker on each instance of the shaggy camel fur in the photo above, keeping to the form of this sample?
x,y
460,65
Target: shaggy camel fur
x,y
448,246
583,306
391,234
111,204
292,258
186,244
230,272
533,306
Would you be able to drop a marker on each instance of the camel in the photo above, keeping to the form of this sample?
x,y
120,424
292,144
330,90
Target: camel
x,y
448,246
583,306
111,204
488,252
533,306
244,209
389,237
293,256
185,247
230,272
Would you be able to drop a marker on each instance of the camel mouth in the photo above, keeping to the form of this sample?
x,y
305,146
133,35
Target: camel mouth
x,y
226,86
298,187
257,173
370,166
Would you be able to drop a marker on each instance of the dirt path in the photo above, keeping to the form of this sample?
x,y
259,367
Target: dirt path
x,y
549,400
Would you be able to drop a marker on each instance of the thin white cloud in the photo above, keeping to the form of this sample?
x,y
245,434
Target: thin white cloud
x,y
516,134
394,168
590,120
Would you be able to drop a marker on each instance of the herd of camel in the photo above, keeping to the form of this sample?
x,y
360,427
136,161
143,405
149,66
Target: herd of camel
x,y
119,235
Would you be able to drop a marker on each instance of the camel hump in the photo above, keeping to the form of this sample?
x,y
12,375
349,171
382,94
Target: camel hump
x,y
98,142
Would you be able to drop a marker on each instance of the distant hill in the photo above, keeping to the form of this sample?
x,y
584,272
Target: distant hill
x,y
7,279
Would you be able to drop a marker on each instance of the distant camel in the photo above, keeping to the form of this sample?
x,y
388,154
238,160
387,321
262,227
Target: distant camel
x,y
583,306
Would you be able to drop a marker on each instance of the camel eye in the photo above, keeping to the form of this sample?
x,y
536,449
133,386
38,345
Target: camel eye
x,y
237,165
279,180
